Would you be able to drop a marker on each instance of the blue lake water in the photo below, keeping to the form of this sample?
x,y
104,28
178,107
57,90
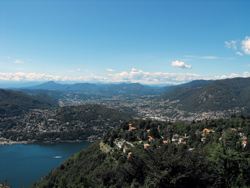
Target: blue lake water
x,y
24,164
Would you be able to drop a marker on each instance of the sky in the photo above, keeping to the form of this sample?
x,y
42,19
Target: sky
x,y
144,41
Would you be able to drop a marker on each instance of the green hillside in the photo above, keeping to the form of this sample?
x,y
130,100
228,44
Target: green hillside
x,y
161,154
84,122
186,85
13,103
218,95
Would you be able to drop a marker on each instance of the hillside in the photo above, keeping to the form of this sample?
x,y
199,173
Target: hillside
x,y
228,94
185,85
72,123
145,153
13,103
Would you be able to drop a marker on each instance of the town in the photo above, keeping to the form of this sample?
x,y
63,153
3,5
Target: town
x,y
44,125
148,106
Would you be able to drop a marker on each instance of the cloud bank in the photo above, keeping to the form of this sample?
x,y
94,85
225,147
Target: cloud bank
x,y
134,76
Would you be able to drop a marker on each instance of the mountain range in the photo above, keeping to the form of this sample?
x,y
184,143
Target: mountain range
x,y
114,89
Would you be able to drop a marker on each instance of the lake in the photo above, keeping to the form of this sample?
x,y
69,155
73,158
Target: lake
x,y
24,164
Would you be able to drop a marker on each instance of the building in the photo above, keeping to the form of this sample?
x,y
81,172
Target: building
x,y
146,146
175,138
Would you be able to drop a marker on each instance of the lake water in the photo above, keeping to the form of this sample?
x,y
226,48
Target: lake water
x,y
25,164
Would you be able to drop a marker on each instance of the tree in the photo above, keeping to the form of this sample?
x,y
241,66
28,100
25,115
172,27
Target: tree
x,y
154,132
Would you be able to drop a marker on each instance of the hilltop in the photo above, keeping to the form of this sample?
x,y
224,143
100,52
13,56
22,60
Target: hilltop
x,y
145,153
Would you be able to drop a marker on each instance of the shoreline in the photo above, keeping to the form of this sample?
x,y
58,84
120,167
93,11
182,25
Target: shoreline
x,y
2,143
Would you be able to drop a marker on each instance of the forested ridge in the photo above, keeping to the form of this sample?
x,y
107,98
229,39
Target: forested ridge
x,y
13,103
146,153
218,95
70,123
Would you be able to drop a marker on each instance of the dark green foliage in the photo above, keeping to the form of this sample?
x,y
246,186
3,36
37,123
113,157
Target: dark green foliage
x,y
165,166
14,103
91,113
79,170
154,132
215,163
71,123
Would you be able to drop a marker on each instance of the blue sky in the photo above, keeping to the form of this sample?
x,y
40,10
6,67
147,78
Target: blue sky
x,y
150,42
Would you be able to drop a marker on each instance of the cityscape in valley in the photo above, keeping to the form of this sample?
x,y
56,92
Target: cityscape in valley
x,y
50,125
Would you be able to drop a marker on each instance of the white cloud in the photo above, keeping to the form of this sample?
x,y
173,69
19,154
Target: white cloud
x,y
246,74
209,57
140,76
133,76
246,45
233,75
239,53
189,56
181,65
110,70
78,70
18,61
232,44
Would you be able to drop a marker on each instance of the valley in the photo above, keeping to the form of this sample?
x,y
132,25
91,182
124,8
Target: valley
x,y
138,134
46,125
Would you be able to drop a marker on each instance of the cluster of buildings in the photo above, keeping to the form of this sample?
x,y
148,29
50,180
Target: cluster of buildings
x,y
38,122
126,146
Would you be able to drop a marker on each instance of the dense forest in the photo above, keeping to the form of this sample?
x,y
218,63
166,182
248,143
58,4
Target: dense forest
x,y
146,153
